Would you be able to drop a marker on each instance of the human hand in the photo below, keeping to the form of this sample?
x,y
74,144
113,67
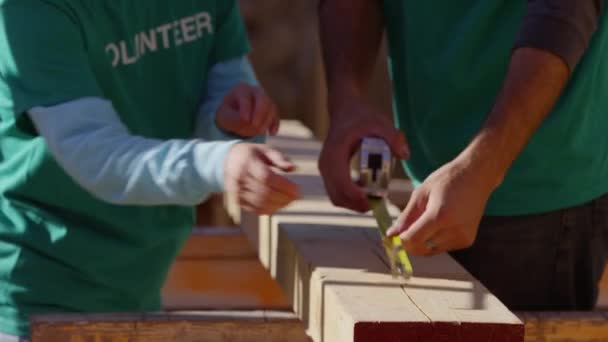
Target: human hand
x,y
249,177
444,212
247,112
350,124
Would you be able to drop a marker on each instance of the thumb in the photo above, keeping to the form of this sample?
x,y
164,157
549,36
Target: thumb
x,y
422,227
414,209
278,160
395,139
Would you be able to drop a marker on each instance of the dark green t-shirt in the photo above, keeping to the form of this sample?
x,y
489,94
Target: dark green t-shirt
x,y
60,248
448,66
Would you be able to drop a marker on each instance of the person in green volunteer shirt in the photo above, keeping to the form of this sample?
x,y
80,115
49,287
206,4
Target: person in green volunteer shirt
x,y
116,119
505,111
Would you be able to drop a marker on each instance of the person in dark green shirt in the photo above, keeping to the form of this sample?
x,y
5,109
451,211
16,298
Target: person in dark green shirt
x,y
117,117
505,111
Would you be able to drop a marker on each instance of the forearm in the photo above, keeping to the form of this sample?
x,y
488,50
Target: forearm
x,y
552,40
534,82
90,143
351,33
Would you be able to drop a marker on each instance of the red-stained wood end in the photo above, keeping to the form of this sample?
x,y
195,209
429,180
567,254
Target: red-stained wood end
x,y
437,332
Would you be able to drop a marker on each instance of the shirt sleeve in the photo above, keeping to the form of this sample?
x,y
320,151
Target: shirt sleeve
x,y
43,60
231,39
562,27
222,78
93,146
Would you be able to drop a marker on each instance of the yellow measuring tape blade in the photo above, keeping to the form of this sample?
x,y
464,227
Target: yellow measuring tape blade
x,y
396,253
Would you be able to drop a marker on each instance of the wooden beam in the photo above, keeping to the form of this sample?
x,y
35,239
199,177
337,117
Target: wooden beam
x,y
217,242
226,284
565,326
218,269
331,266
229,326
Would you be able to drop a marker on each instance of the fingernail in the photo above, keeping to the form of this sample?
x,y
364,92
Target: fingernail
x,y
391,231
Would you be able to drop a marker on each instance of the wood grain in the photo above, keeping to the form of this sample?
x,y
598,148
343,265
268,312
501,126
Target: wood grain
x,y
565,326
218,269
217,242
223,283
236,326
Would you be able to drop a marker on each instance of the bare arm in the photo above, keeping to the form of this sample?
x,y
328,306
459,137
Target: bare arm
x,y
517,114
444,212
351,32
552,40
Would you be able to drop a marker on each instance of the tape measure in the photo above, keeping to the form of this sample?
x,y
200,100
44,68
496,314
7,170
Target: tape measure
x,y
399,261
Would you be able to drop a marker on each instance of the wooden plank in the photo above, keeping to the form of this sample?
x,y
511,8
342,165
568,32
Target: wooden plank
x,y
218,269
565,326
330,263
338,273
224,283
217,242
236,326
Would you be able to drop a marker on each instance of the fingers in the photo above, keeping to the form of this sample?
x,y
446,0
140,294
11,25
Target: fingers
x,y
395,138
438,243
265,192
278,160
342,191
261,111
417,224
426,234
250,178
248,111
263,200
244,103
415,237
262,173
413,210
334,166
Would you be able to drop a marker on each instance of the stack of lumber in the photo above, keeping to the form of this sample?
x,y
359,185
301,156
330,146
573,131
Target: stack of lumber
x,y
331,266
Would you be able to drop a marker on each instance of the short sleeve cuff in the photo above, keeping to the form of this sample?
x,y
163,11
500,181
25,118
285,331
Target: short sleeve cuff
x,y
553,35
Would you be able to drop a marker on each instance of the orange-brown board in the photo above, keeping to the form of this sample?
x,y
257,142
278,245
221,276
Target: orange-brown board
x,y
218,269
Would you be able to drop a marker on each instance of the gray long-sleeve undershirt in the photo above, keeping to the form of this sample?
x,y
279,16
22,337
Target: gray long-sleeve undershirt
x,y
562,27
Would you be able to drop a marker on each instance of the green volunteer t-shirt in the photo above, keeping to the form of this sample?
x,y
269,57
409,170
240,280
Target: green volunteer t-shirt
x,y
448,66
60,248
